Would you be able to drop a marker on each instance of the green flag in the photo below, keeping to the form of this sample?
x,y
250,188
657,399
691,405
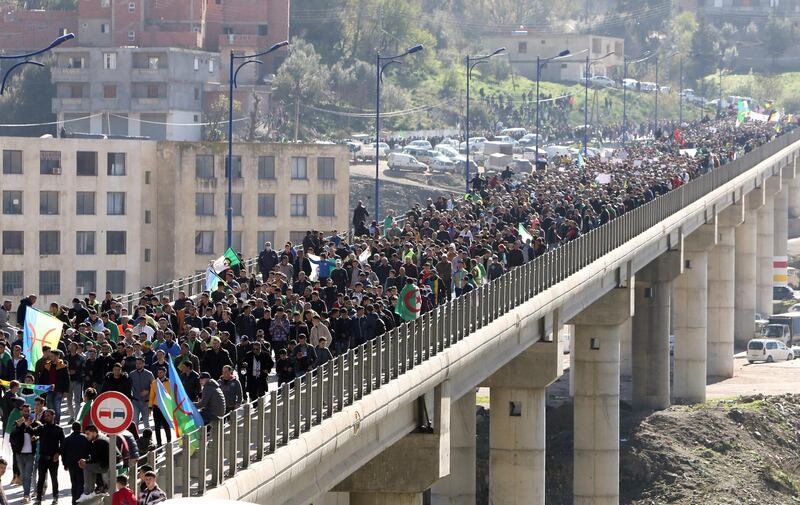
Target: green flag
x,y
523,233
180,420
409,303
224,262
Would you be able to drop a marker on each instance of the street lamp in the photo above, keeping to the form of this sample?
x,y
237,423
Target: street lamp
x,y
472,62
232,75
539,64
625,63
589,63
26,57
381,62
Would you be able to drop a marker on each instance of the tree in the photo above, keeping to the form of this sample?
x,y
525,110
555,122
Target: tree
x,y
684,26
301,79
705,50
27,100
778,36
216,119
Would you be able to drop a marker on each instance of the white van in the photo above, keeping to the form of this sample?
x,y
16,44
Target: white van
x,y
516,133
769,350
400,161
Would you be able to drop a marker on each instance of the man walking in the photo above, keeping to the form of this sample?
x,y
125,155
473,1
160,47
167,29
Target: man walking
x,y
74,448
51,436
141,379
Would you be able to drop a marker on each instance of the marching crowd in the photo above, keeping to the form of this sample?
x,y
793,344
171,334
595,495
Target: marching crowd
x,y
310,302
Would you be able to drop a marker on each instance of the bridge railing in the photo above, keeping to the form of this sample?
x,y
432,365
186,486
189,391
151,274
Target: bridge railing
x,y
263,427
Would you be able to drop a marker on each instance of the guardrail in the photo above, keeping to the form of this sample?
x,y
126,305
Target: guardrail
x,y
254,430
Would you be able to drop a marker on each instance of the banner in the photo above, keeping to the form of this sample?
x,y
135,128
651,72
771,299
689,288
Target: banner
x,y
41,329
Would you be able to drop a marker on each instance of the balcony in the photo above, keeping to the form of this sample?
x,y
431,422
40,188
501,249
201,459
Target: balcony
x,y
71,105
64,74
149,74
149,104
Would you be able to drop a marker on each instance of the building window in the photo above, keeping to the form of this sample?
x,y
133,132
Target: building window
x,y
211,65
12,202
522,47
204,204
76,90
263,237
87,163
298,205
131,36
204,166
147,218
13,242
49,282
116,242
49,242
131,7
105,28
204,242
266,167
263,30
76,61
109,91
115,281
116,164
326,205
147,255
110,61
196,63
50,162
237,167
12,283
196,95
296,237
84,205
266,205
48,203
84,243
147,177
298,168
12,162
85,282
236,241
597,45
105,3
152,91
325,169
115,203
236,204
152,62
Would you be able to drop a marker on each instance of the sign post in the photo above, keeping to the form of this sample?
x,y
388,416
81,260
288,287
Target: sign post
x,y
112,413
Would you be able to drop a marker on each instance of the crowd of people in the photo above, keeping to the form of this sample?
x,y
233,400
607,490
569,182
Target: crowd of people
x,y
306,303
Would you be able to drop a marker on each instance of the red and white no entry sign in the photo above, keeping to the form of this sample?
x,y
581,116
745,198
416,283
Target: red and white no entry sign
x,y
112,412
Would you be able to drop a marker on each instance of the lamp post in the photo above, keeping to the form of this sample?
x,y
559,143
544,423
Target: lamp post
x,y
625,62
680,95
719,100
381,62
27,56
232,74
472,62
589,63
539,64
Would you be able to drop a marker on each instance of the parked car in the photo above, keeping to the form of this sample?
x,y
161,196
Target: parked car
x,y
424,144
475,145
367,152
630,83
420,153
769,350
401,161
516,133
647,87
783,293
442,163
446,150
665,89
601,81
529,140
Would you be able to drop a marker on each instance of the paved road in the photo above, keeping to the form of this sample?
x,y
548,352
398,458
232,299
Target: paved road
x,y
368,172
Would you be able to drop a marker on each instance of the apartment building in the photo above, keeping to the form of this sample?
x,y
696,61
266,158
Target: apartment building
x,y
524,46
81,215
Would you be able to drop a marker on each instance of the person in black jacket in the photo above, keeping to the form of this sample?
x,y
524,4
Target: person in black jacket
x,y
55,373
215,358
74,448
190,380
258,363
96,463
50,439
246,323
117,380
23,306
267,259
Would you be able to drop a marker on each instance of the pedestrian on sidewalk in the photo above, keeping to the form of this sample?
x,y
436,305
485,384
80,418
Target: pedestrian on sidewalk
x,y
75,448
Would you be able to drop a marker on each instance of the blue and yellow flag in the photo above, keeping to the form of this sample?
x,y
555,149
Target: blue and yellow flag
x,y
41,329
188,415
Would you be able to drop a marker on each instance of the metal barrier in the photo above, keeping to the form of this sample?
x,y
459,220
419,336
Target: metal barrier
x,y
255,430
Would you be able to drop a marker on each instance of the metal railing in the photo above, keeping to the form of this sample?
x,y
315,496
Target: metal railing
x,y
254,430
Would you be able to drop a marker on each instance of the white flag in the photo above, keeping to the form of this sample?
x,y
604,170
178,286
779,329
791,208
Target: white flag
x,y
314,260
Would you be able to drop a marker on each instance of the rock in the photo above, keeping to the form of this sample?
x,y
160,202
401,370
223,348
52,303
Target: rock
x,y
736,415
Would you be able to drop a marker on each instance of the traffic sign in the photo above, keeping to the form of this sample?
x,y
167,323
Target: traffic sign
x,y
112,412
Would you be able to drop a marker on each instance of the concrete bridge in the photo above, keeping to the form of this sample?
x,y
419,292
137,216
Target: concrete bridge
x,y
396,417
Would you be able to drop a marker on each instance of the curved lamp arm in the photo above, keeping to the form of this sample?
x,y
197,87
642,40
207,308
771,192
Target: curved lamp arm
x,y
8,72
235,75
275,47
57,42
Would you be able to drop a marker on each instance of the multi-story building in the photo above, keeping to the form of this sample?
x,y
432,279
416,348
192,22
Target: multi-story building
x,y
523,47
153,92
81,215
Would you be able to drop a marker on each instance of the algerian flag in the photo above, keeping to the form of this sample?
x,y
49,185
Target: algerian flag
x,y
224,262
523,233
83,416
409,303
41,329
212,279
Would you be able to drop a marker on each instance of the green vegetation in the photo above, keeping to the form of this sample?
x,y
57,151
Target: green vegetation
x,y
779,480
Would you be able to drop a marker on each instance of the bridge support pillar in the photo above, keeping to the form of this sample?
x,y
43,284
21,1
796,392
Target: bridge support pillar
x,y
721,293
517,428
385,498
598,333
691,317
458,488
745,268
764,257
780,265
794,207
651,325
